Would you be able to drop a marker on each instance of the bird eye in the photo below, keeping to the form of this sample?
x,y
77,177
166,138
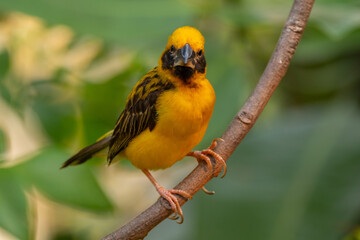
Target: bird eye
x,y
172,49
200,52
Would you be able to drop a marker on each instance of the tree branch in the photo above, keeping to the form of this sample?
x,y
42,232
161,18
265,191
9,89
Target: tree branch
x,y
294,27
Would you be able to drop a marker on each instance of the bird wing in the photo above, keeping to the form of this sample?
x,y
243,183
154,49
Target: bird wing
x,y
139,113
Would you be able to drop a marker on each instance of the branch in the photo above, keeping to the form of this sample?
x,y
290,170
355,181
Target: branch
x,y
139,227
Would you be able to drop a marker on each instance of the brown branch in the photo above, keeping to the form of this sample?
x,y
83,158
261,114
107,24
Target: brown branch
x,y
294,27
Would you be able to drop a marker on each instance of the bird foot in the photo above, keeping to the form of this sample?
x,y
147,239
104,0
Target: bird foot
x,y
174,203
170,197
202,156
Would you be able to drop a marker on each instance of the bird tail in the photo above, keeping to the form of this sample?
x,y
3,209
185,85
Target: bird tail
x,y
86,153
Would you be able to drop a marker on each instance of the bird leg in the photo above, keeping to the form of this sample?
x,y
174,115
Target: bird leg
x,y
202,156
169,196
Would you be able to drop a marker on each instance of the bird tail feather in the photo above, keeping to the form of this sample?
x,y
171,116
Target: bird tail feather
x,y
86,153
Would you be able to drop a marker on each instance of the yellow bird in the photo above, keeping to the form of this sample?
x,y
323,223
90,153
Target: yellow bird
x,y
165,116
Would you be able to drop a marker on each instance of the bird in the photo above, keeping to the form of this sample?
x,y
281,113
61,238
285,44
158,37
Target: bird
x,y
165,116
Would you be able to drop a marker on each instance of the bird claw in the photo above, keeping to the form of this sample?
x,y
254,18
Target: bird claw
x,y
207,191
202,155
173,217
174,203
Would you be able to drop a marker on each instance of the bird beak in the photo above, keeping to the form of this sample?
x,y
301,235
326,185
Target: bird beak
x,y
185,56
186,53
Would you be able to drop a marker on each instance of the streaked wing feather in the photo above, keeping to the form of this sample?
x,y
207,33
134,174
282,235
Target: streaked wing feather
x,y
139,113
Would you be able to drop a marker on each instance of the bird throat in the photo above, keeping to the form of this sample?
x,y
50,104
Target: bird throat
x,y
184,73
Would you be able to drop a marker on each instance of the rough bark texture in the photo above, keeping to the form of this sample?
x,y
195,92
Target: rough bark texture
x,y
139,227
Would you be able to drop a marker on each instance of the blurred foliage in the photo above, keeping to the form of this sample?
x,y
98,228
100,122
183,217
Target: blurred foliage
x,y
65,75
13,205
355,235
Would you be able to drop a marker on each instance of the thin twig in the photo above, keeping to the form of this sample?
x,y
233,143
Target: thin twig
x,y
139,227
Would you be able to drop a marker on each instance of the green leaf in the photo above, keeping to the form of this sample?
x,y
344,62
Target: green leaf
x,y
56,110
13,206
2,142
4,64
75,186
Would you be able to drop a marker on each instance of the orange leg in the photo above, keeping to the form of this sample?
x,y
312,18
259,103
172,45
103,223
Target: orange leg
x,y
169,196
202,156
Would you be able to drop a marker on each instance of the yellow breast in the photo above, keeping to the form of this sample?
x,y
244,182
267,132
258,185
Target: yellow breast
x,y
183,117
185,111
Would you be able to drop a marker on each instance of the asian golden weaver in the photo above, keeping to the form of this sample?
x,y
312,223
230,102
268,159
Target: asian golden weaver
x,y
165,116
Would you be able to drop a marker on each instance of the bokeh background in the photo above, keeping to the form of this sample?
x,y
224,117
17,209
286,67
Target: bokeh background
x,y
67,66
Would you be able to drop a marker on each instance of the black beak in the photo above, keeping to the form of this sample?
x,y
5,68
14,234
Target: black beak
x,y
186,53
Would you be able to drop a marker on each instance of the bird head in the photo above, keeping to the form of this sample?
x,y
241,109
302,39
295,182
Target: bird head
x,y
184,54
